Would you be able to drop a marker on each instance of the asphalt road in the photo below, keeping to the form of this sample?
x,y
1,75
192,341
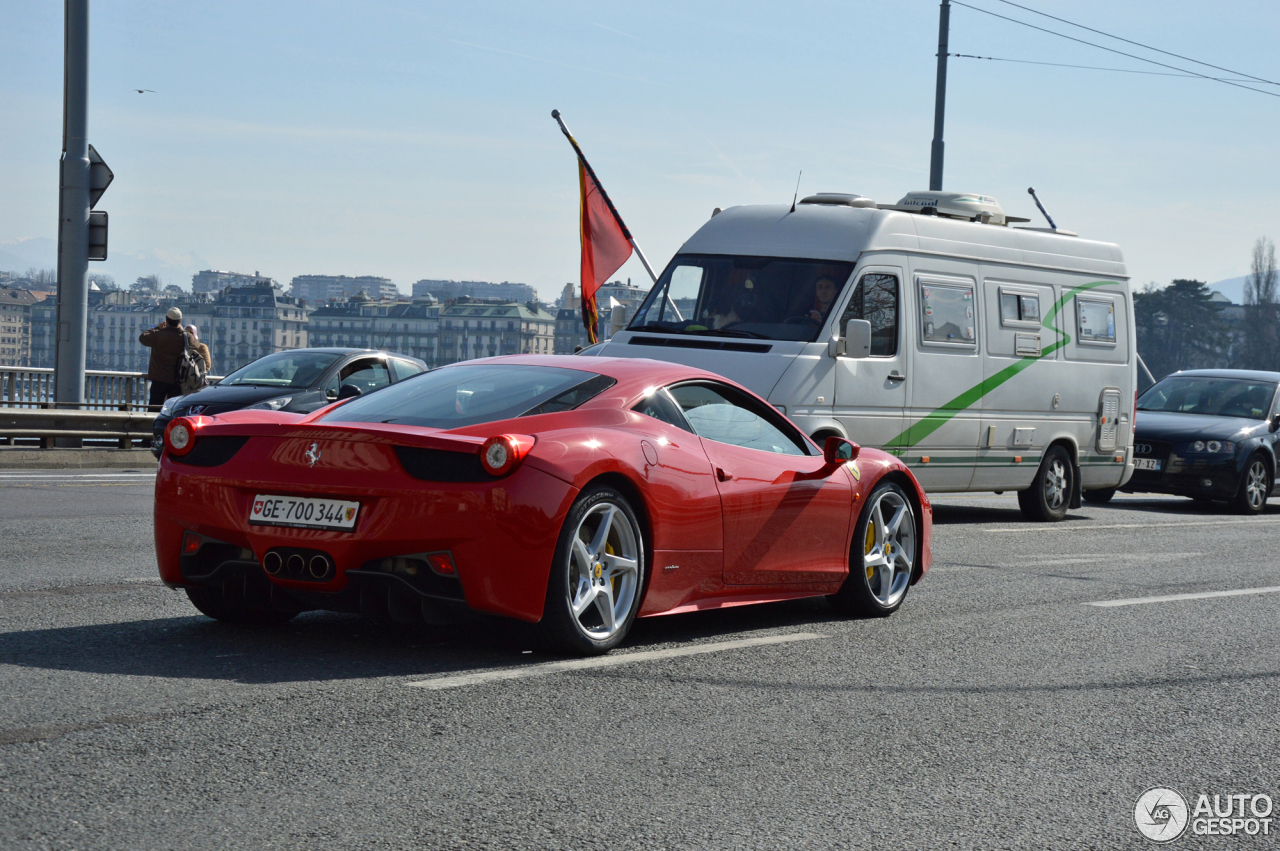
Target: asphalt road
x,y
997,709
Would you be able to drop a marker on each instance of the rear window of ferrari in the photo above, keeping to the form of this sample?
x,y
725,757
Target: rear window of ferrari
x,y
463,395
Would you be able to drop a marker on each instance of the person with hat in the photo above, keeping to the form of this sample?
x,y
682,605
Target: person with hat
x,y
200,348
167,341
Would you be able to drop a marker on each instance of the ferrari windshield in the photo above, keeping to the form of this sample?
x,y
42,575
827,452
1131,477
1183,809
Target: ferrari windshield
x,y
1217,397
771,298
464,395
296,369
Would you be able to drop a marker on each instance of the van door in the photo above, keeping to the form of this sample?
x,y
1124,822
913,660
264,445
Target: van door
x,y
871,393
940,442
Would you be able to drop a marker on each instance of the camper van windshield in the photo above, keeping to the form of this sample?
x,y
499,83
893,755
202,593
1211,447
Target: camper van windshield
x,y
770,298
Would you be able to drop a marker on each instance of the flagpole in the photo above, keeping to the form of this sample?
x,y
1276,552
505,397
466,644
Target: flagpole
x,y
555,113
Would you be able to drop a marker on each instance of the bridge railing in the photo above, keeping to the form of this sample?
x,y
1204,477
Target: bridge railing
x,y
104,390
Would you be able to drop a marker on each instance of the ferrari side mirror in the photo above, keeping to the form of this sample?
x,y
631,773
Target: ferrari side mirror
x,y
837,450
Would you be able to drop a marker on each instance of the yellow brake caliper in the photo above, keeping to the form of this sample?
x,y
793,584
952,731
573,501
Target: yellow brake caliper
x,y
608,548
870,544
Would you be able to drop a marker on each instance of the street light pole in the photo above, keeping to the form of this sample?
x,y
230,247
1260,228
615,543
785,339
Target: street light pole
x,y
73,209
940,98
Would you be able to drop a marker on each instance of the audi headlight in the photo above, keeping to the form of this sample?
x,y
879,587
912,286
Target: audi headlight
x,y
169,405
271,404
1213,446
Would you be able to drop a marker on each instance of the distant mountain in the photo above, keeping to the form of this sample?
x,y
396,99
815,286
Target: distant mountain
x,y
19,255
1232,288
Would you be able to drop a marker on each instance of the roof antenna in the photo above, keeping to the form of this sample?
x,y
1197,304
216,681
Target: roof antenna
x,y
1032,192
797,195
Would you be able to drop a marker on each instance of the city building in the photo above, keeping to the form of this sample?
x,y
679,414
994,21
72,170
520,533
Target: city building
x,y
239,324
15,325
361,322
616,303
315,289
454,290
210,281
474,328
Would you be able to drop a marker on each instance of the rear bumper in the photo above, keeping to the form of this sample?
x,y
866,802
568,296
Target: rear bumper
x,y
501,535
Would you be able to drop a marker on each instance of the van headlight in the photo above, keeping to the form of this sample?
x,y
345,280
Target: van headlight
x,y
270,404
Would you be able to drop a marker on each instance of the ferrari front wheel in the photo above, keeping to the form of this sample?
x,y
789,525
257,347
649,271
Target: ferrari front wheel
x,y
593,593
882,561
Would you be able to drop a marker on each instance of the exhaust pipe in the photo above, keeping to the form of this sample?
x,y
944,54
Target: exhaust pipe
x,y
296,564
319,566
272,563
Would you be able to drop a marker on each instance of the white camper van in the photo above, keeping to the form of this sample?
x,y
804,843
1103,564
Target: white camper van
x,y
988,357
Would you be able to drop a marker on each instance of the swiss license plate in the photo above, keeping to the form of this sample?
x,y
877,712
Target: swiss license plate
x,y
1146,464
303,511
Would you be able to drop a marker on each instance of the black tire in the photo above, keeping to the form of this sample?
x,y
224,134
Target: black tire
x,y
1255,486
580,575
1049,496
238,602
878,595
1099,497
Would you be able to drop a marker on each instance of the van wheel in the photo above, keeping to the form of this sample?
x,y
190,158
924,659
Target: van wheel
x,y
1100,496
1049,496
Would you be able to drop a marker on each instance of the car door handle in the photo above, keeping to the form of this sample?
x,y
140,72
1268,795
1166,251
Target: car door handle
x,y
896,376
722,475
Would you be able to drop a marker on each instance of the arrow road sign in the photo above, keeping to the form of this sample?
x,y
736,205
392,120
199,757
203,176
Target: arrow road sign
x,y
100,177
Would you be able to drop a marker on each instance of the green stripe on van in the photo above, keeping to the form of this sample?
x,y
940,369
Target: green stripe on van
x,y
934,420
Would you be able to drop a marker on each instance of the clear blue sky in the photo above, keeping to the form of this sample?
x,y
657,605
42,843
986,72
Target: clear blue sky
x,y
413,139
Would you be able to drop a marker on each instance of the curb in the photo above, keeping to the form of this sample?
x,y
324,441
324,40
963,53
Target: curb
x,y
70,459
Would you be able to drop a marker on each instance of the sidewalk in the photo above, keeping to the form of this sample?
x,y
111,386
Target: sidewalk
x,y
24,458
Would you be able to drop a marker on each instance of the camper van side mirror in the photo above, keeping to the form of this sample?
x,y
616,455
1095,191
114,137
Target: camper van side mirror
x,y
857,339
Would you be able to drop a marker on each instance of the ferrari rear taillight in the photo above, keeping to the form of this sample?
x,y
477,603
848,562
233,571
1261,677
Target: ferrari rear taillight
x,y
442,564
191,543
180,435
501,453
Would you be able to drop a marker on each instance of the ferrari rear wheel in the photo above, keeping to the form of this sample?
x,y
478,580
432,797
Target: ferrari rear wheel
x,y
886,544
593,593
237,602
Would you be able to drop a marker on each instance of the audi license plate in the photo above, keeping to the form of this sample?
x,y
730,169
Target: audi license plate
x,y
1146,464
306,512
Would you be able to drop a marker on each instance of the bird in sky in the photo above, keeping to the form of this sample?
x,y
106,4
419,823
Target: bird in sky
x,y
140,91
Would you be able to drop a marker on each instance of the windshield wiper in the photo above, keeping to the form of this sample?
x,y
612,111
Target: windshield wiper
x,y
734,332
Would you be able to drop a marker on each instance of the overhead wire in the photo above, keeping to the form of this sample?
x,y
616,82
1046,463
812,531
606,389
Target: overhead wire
x,y
1113,50
1138,43
1067,65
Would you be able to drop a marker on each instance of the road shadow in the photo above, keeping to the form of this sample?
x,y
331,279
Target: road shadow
x,y
952,515
322,646
1182,507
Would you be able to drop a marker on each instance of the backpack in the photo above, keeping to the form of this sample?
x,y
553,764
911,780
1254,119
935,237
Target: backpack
x,y
189,373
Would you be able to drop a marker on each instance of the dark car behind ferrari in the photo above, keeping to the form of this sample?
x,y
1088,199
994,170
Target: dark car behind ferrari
x,y
1209,435
298,381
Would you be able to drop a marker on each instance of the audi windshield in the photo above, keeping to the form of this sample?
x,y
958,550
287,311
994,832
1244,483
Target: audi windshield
x,y
1211,396
769,298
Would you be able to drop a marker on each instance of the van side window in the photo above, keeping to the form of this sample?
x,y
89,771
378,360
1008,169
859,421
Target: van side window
x,y
1096,321
876,300
1019,309
947,314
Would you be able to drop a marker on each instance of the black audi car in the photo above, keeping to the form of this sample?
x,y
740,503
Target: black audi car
x,y
299,380
1209,434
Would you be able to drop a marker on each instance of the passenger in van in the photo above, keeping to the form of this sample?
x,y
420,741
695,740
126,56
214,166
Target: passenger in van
x,y
824,296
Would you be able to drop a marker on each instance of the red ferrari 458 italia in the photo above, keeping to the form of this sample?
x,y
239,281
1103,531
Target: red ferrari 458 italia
x,y
578,493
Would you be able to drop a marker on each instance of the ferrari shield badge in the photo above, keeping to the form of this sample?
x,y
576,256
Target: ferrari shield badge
x,y
853,468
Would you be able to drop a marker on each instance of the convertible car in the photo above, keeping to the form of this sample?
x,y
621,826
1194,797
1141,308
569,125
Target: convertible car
x,y
575,492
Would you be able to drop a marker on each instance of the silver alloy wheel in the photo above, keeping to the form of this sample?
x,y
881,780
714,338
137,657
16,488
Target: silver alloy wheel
x,y
604,570
1055,484
1256,484
889,549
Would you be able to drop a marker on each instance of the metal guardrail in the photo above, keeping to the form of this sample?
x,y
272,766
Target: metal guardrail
x,y
104,390
50,425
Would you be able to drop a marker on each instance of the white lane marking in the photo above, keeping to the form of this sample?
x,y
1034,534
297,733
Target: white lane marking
x,y
1101,559
1059,527
1169,598
605,661
62,475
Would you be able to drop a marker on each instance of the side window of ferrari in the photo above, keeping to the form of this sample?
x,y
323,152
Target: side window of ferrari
x,y
661,407
718,415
